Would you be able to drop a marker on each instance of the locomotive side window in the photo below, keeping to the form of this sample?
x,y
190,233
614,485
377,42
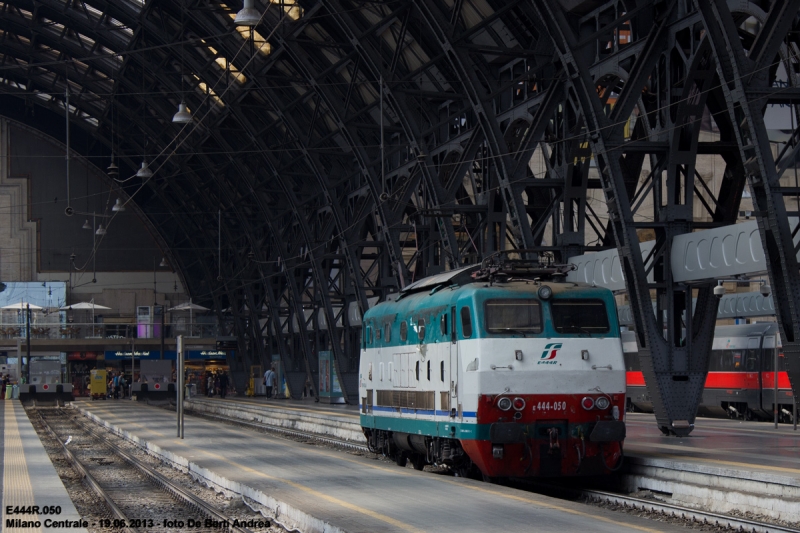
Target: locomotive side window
x,y
513,316
377,333
403,331
466,323
369,335
443,324
387,332
580,316
417,371
441,370
726,361
421,329
429,369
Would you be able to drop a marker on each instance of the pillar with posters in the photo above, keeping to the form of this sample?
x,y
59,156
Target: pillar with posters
x,y
330,390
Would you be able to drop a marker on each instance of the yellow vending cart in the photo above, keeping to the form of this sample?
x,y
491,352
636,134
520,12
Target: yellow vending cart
x,y
98,386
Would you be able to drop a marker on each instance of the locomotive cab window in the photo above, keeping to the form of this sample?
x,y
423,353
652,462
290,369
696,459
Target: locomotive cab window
x,y
513,316
466,323
580,316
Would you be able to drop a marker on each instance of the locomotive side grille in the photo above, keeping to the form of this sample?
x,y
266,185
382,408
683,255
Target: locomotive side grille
x,y
406,399
445,400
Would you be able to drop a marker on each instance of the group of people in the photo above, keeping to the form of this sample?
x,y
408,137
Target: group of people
x,y
273,387
117,385
216,383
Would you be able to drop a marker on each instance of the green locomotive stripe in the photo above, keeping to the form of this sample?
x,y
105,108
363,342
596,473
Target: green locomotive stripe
x,y
437,428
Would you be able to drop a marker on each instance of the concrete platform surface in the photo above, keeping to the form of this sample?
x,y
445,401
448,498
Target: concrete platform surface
x,y
29,478
319,489
748,445
733,443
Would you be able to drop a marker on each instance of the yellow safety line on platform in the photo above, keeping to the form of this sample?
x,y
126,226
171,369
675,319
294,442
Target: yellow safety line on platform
x,y
17,489
396,471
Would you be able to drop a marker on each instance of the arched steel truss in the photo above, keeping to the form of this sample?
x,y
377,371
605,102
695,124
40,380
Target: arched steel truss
x,y
515,123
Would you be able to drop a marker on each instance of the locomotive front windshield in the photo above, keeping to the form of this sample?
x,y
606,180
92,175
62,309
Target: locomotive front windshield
x,y
579,316
513,315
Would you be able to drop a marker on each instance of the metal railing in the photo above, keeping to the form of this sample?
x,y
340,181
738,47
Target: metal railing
x,y
88,330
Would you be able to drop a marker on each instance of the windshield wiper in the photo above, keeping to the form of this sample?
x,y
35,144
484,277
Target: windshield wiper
x,y
522,332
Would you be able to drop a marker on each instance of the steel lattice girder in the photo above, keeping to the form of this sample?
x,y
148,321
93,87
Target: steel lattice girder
x,y
289,144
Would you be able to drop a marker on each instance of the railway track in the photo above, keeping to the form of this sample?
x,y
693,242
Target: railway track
x,y
127,484
622,500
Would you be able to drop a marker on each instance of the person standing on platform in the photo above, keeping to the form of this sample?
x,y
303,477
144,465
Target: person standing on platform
x,y
269,380
223,384
210,385
3,383
115,386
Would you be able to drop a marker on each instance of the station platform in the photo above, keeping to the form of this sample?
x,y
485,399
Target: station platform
x,y
317,489
723,466
29,479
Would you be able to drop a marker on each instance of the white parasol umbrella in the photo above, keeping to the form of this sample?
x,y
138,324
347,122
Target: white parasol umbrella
x,y
189,306
85,305
22,305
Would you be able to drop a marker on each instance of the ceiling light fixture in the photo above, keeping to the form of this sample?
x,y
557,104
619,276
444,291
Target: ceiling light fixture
x,y
183,116
100,230
248,16
144,172
86,225
118,206
163,262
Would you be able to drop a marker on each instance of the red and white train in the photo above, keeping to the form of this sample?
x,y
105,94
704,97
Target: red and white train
x,y
741,374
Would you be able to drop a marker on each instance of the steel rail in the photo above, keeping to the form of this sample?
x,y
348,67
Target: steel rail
x,y
740,524
89,479
175,490
719,520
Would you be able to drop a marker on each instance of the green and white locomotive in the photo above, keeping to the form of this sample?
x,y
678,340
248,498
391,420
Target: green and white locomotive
x,y
504,368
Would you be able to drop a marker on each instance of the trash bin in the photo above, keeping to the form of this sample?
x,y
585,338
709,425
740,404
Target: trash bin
x,y
191,391
14,392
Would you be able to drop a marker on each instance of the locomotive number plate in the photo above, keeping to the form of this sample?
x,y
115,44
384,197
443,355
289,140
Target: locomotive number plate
x,y
550,406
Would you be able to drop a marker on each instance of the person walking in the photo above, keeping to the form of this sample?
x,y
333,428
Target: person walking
x,y
269,380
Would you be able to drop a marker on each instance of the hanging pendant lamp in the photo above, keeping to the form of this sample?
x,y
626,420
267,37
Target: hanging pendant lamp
x,y
248,16
100,230
144,172
113,169
183,116
86,225
118,206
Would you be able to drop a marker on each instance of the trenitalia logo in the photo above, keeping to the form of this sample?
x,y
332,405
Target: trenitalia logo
x,y
551,350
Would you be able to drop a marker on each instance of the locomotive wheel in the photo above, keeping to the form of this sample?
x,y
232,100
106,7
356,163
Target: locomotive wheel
x,y
401,459
418,461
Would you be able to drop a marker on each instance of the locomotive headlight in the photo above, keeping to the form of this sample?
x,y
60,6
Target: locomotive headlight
x,y
602,402
504,404
545,292
519,404
587,403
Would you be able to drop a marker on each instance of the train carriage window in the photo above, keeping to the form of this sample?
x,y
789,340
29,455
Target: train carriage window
x,y
580,316
387,332
421,329
443,323
466,323
403,331
513,316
